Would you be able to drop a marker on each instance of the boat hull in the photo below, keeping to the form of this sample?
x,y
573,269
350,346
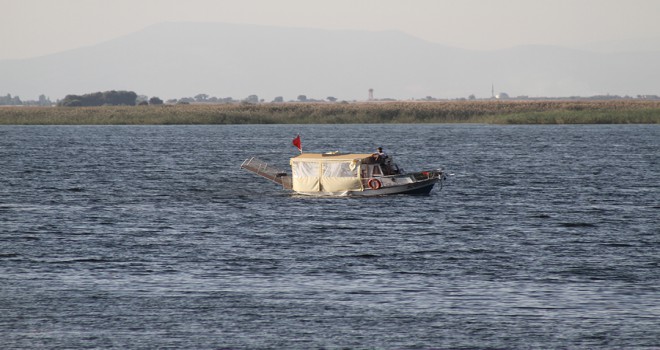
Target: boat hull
x,y
419,188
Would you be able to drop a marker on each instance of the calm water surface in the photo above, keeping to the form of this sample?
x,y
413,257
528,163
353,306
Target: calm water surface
x,y
152,237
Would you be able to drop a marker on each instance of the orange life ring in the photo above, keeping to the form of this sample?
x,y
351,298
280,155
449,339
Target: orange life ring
x,y
374,184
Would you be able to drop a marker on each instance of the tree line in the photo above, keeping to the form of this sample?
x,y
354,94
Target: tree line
x,y
110,98
10,100
252,99
130,98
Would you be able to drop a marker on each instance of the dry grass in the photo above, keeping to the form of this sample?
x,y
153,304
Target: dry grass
x,y
489,112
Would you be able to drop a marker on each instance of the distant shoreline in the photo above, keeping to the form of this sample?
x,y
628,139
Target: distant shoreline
x,y
479,112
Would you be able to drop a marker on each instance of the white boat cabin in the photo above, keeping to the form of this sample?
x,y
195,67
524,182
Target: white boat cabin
x,y
339,172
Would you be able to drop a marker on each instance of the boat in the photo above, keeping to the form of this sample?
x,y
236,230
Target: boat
x,y
346,174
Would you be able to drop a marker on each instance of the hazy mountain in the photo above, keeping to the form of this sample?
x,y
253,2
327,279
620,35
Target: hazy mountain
x,y
635,45
173,60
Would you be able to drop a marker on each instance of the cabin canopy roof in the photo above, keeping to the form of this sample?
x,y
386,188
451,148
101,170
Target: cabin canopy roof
x,y
329,157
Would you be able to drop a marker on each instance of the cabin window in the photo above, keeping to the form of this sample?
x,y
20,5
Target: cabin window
x,y
376,171
339,169
305,169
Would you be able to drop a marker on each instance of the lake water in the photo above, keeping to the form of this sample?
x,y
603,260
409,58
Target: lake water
x,y
145,237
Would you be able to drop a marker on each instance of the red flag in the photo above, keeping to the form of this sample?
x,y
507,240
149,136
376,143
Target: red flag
x,y
297,143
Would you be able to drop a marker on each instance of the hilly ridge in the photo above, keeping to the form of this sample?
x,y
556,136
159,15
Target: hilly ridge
x,y
172,60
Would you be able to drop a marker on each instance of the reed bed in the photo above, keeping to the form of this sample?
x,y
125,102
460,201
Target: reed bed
x,y
486,112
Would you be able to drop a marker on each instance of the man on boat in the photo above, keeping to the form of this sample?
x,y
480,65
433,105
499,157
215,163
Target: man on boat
x,y
380,156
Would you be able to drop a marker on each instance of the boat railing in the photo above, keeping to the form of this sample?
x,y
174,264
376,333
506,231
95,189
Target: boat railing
x,y
428,174
267,171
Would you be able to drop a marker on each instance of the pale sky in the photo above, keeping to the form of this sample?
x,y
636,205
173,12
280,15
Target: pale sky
x,y
30,28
